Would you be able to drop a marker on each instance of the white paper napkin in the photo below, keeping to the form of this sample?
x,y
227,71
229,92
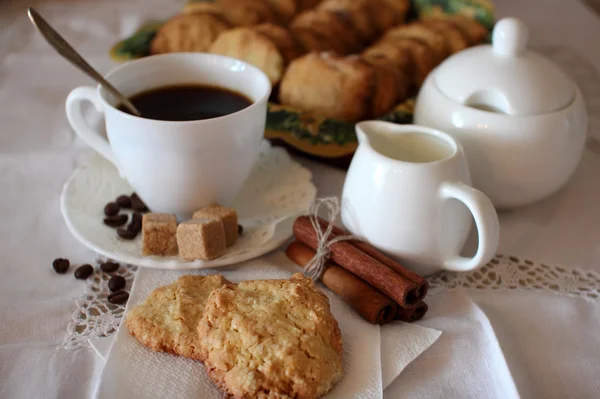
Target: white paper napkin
x,y
133,371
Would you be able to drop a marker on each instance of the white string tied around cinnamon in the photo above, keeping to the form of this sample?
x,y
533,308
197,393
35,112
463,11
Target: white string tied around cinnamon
x,y
315,268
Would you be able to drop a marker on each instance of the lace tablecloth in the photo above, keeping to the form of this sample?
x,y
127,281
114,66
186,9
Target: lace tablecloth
x,y
526,325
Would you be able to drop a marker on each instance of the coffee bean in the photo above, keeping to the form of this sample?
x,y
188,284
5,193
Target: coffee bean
x,y
109,267
111,209
134,225
124,201
83,272
116,220
137,216
116,283
137,204
118,297
240,229
126,234
61,265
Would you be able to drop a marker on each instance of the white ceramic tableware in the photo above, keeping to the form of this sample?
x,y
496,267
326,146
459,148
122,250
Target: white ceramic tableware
x,y
277,190
408,193
522,122
178,167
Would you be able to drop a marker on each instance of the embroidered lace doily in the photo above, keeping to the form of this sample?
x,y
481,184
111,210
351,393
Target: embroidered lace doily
x,y
509,273
95,317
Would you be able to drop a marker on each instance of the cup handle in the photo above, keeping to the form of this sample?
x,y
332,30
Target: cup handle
x,y
75,117
486,220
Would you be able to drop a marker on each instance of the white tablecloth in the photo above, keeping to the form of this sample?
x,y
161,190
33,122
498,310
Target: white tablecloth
x,y
495,344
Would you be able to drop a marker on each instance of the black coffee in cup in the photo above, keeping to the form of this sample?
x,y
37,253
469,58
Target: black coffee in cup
x,y
187,102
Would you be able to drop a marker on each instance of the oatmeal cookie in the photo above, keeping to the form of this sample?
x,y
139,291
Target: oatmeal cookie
x,y
167,320
271,339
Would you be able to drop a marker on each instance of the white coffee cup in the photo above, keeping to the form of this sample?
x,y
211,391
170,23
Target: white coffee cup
x,y
408,192
178,167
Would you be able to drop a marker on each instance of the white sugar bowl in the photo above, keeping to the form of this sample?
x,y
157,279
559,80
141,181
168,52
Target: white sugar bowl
x,y
522,122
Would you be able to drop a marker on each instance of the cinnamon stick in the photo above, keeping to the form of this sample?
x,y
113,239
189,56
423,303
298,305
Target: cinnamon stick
x,y
413,314
422,284
400,289
371,304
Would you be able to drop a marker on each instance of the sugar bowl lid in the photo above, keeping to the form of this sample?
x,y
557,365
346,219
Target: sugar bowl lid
x,y
505,77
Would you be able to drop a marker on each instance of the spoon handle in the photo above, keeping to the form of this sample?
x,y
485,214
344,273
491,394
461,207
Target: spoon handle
x,y
69,53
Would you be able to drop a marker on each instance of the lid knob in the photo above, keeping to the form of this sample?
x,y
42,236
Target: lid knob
x,y
510,37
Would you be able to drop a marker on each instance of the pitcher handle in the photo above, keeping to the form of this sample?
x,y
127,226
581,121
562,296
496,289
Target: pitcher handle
x,y
486,220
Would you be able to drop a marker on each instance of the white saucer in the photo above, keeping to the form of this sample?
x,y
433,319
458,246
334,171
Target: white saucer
x,y
277,190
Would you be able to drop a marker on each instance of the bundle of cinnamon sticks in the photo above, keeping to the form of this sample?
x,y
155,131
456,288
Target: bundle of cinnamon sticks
x,y
377,287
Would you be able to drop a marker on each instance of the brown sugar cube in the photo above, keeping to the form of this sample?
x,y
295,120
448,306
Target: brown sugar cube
x,y
202,238
227,215
159,232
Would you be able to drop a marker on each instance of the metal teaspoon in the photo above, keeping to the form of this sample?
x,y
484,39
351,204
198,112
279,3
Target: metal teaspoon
x,y
69,53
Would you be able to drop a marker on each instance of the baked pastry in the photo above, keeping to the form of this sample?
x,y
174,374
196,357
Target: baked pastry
x,y
384,15
271,339
399,8
247,12
322,30
285,9
269,47
188,32
398,56
283,40
391,86
304,5
423,58
473,31
395,9
329,85
422,33
203,7
455,38
167,320
356,13
246,44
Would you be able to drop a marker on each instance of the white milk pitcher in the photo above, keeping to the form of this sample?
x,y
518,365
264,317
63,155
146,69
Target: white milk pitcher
x,y
408,192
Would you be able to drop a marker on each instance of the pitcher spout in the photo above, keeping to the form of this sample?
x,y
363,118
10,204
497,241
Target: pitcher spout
x,y
367,132
364,129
